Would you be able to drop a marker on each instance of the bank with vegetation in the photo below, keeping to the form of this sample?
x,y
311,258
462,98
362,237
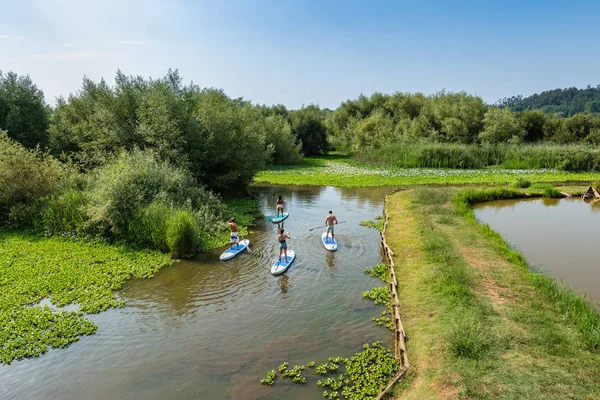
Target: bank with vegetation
x,y
479,323
346,171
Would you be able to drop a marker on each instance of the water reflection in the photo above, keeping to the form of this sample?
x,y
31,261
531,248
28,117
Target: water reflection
x,y
555,235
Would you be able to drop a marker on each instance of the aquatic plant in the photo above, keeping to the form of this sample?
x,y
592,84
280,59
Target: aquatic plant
x,y
67,271
377,224
380,295
269,380
379,270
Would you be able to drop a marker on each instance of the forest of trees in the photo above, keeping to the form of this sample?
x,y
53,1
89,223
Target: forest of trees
x,y
148,161
564,102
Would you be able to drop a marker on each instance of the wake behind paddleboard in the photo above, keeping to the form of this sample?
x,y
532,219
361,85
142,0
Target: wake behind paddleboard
x,y
278,218
237,249
329,243
279,267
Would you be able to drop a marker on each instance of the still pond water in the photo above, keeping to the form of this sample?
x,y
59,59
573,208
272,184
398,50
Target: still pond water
x,y
559,237
205,329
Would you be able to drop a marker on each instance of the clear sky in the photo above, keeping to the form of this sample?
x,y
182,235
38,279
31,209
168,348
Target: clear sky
x,y
299,52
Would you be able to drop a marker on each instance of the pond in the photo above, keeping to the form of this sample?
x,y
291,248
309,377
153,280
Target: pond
x,y
211,330
557,236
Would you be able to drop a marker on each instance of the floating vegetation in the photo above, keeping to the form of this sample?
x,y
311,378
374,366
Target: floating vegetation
x,y
380,295
380,270
67,271
362,377
377,224
384,320
269,379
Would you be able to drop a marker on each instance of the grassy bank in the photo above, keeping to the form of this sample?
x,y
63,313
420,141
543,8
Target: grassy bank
x,y
480,325
66,271
345,172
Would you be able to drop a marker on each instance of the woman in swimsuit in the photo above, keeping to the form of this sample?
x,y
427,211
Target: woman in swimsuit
x,y
282,244
280,206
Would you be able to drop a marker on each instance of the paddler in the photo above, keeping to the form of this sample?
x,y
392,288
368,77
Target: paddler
x,y
280,206
233,238
329,222
282,244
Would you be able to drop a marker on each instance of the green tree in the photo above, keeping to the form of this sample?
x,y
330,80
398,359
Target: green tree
x,y
24,113
501,125
308,124
533,123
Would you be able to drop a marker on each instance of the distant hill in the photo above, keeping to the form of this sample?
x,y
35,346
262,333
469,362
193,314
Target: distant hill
x,y
565,102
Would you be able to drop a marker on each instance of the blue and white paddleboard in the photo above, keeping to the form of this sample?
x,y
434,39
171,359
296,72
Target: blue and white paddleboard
x,y
237,249
329,243
278,218
279,267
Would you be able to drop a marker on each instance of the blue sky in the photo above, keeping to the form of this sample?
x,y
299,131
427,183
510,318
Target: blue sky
x,y
301,52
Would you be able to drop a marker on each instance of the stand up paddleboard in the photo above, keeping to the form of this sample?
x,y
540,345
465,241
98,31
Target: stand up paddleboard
x,y
237,249
329,243
279,267
278,218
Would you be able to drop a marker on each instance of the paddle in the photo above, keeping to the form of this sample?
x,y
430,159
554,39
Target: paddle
x,y
248,245
323,226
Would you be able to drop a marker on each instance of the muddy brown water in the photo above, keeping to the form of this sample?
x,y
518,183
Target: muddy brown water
x,y
556,236
204,329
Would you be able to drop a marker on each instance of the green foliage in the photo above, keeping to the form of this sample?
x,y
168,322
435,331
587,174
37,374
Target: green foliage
x,y
309,127
373,224
26,175
134,180
552,193
221,140
567,102
278,135
269,380
379,295
501,125
521,183
33,268
24,113
365,373
380,270
181,234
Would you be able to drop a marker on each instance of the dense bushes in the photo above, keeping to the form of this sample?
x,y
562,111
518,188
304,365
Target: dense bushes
x,y
26,175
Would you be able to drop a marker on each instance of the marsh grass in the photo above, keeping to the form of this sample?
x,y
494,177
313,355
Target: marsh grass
x,y
345,172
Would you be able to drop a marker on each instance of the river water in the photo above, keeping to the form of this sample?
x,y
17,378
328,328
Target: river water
x,y
204,329
558,236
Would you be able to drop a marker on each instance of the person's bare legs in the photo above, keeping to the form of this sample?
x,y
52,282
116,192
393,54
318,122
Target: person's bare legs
x,y
285,251
280,249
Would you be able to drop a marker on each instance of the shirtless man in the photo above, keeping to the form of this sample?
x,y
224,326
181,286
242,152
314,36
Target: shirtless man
x,y
234,234
329,221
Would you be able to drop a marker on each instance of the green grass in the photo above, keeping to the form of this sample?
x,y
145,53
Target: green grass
x,y
67,271
480,324
345,172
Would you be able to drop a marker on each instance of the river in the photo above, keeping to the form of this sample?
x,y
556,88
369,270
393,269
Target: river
x,y
211,330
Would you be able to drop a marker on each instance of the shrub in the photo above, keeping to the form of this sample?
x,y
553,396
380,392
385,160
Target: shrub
x,y
279,136
132,181
521,183
552,193
581,161
181,234
26,175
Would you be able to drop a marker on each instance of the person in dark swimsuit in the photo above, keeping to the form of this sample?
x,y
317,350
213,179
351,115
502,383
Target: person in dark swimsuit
x,y
280,206
282,244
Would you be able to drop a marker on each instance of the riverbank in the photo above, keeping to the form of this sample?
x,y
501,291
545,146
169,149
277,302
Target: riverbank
x,y
479,324
342,171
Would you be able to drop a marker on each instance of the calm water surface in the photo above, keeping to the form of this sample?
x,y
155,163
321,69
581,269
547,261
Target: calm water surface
x,y
556,236
211,330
